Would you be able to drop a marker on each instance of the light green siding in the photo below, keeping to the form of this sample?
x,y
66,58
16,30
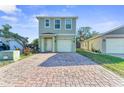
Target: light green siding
x,y
51,29
61,34
72,38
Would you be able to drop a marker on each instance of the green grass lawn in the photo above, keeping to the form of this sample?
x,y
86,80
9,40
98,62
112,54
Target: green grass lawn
x,y
112,63
3,63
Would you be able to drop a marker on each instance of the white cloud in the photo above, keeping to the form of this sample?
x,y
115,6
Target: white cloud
x,y
105,26
9,9
65,9
8,18
100,26
70,6
62,12
40,14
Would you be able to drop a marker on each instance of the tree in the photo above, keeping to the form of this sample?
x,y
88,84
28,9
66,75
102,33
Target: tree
x,y
94,33
6,29
85,33
34,46
7,34
35,42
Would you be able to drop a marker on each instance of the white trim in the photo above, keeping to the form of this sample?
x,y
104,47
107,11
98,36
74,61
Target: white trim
x,y
65,23
75,44
42,44
49,35
114,36
38,17
53,39
45,23
54,24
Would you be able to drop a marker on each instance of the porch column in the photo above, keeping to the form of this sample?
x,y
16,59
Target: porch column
x,y
39,44
75,44
53,43
42,45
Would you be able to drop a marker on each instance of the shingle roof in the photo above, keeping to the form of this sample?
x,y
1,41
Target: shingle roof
x,y
102,34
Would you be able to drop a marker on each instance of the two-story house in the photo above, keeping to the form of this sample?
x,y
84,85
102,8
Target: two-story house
x,y
57,34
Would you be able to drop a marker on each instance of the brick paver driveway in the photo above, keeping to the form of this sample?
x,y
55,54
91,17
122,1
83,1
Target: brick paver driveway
x,y
62,69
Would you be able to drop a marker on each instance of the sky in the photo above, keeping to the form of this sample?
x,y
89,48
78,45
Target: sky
x,y
23,20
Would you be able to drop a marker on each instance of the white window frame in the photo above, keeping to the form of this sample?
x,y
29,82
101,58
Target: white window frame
x,y
45,23
54,24
66,23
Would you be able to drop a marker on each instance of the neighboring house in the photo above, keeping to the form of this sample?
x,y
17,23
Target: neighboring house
x,y
1,34
109,42
57,34
12,42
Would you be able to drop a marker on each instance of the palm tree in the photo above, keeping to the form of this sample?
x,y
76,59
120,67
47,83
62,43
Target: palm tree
x,y
8,34
6,29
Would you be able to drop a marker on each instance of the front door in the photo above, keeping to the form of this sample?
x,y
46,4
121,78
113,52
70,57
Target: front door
x,y
48,45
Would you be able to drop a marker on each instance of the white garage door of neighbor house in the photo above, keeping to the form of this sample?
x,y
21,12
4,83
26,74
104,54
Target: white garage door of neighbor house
x,y
115,45
64,45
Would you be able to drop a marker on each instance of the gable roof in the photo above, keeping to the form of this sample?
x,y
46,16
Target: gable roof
x,y
20,39
102,34
114,29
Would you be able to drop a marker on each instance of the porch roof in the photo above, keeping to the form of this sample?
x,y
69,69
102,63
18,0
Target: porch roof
x,y
48,34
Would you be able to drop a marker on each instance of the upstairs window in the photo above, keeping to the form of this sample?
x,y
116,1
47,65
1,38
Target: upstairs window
x,y
68,24
47,23
57,24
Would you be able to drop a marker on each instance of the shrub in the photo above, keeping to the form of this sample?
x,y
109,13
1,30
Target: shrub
x,y
27,51
17,49
97,51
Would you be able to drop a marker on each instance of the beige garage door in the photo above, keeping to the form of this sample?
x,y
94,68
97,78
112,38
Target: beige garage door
x,y
115,45
64,45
